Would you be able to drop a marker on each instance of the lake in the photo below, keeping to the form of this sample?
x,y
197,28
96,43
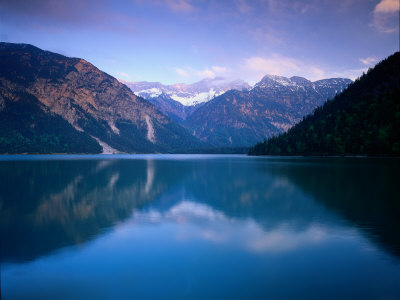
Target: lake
x,y
199,227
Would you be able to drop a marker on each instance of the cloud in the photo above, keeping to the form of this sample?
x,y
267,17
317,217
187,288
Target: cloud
x,y
213,226
385,16
274,65
62,10
189,73
316,73
283,239
205,73
387,6
124,75
182,72
253,68
368,60
243,7
256,67
267,35
220,70
57,15
180,5
349,73
287,8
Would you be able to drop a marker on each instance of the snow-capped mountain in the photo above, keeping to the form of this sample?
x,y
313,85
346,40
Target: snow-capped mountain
x,y
188,94
297,83
272,106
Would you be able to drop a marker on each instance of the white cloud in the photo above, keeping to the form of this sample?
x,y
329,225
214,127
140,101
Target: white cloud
x,y
203,223
205,73
368,60
275,65
124,75
284,239
315,72
182,72
256,67
350,73
220,70
189,73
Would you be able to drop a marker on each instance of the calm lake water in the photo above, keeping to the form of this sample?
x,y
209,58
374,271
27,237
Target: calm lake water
x,y
199,227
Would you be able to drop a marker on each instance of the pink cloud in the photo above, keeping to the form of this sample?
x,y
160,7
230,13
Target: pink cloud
x,y
58,15
386,16
180,5
368,60
387,6
243,7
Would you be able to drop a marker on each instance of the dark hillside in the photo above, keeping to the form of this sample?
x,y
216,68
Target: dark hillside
x,y
363,120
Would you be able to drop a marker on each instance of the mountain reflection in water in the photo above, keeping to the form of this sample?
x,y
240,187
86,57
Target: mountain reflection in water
x,y
190,210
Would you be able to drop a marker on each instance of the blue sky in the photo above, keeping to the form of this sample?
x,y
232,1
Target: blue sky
x,y
186,40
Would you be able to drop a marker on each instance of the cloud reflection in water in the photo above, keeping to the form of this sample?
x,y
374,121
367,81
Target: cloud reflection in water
x,y
196,221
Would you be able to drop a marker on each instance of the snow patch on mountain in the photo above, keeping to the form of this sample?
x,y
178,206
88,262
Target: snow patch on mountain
x,y
188,94
150,130
188,99
296,83
153,92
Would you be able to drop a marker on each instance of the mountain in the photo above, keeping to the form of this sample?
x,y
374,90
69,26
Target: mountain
x,y
188,94
89,196
363,120
28,126
273,105
180,100
173,109
49,99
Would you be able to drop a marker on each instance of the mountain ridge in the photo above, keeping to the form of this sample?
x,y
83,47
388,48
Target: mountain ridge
x,y
88,99
187,94
273,105
363,120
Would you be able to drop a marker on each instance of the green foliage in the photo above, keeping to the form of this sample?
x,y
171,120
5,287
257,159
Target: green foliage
x,y
363,120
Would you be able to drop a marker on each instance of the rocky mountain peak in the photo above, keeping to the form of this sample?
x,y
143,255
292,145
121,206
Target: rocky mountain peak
x,y
300,81
89,99
188,94
276,103
274,81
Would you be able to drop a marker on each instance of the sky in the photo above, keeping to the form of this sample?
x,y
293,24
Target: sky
x,y
172,41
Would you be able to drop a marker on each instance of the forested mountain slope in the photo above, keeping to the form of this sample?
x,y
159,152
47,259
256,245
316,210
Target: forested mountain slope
x,y
363,120
273,105
41,90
